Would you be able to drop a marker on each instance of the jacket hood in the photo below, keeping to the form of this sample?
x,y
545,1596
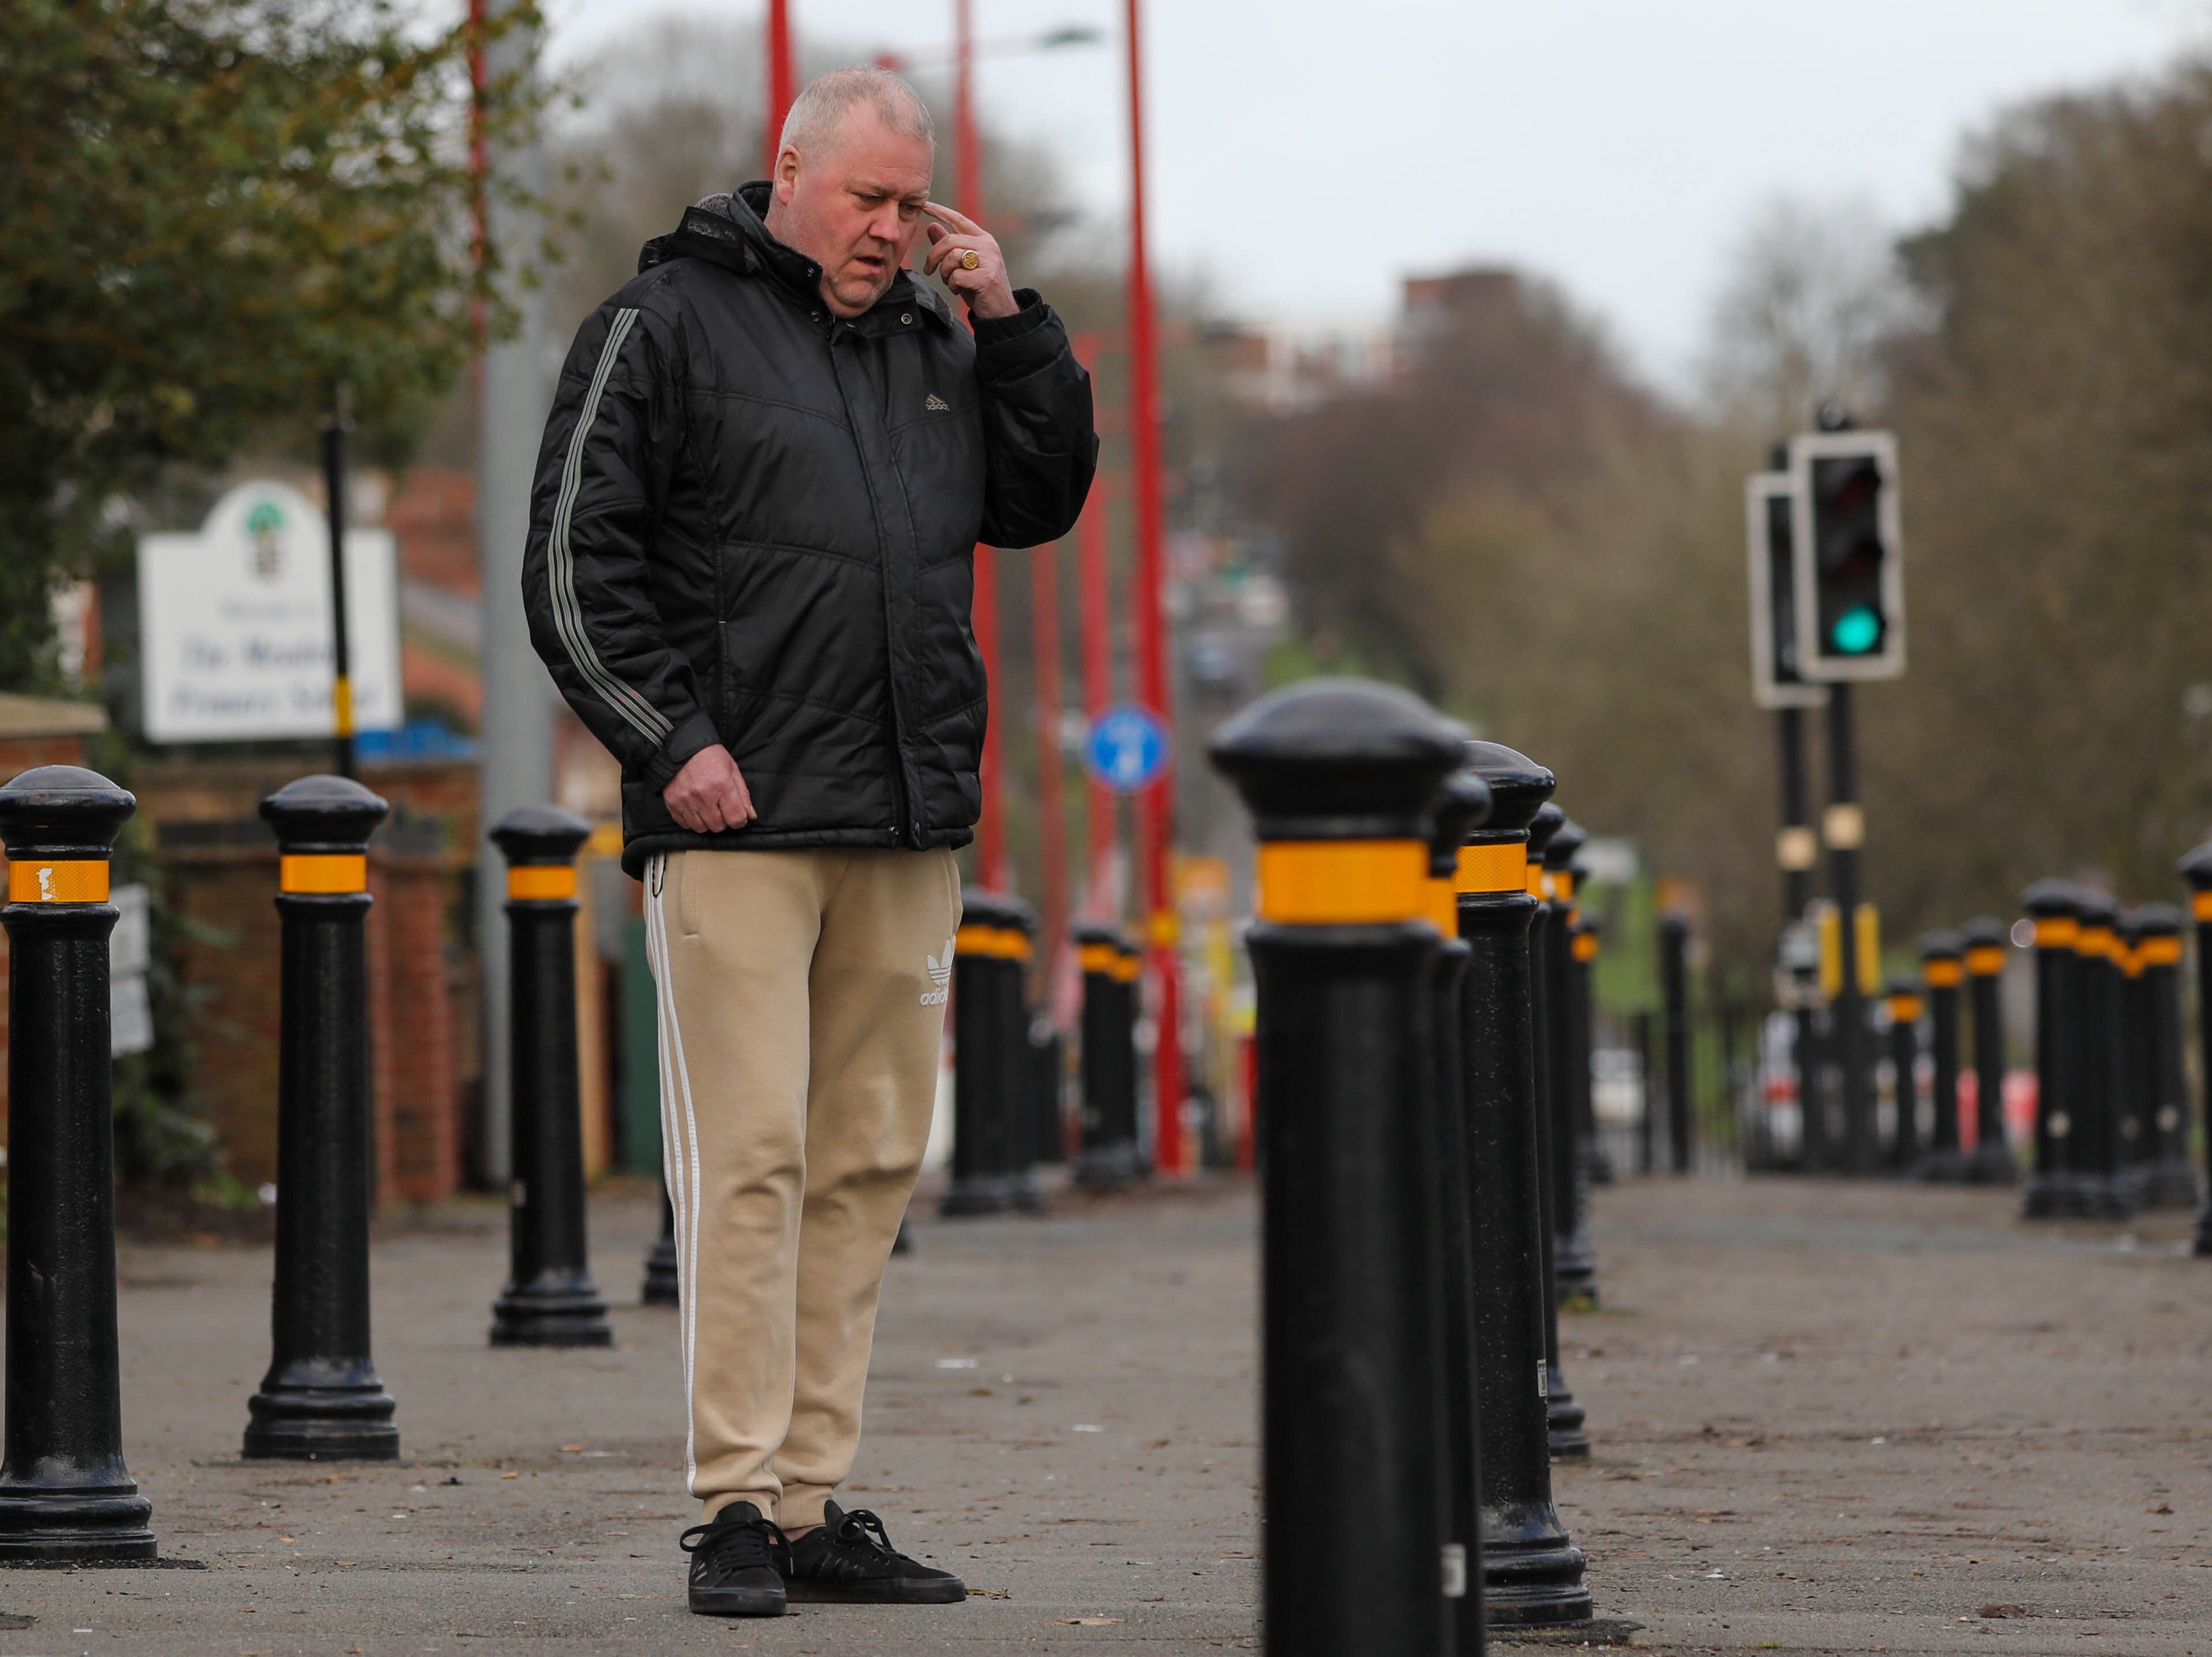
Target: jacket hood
x,y
730,227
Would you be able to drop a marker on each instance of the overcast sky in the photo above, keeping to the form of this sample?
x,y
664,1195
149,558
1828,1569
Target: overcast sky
x,y
1306,155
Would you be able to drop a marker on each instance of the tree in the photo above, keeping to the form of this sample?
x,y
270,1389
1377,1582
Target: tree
x,y
1815,296
213,213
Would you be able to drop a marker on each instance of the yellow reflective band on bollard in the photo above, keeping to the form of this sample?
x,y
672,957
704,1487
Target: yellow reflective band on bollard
x,y
2094,941
541,881
1986,961
1563,885
1099,958
1493,868
1866,939
2058,933
1944,974
1128,965
1905,1009
1585,946
1442,906
1342,882
1005,943
2200,906
2130,962
78,881
323,871
2159,952
1539,884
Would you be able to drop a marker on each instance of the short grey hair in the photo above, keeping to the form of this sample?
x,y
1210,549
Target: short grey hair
x,y
818,113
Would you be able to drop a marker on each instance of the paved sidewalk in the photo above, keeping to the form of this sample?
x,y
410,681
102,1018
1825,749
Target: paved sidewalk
x,y
1839,1418
1062,1409
1827,1418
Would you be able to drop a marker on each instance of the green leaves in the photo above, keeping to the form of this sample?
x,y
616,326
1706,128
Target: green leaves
x,y
212,212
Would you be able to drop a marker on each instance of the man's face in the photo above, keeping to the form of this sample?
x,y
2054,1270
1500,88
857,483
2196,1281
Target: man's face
x,y
855,209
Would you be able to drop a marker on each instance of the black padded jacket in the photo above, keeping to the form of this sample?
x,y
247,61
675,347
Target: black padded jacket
x,y
754,522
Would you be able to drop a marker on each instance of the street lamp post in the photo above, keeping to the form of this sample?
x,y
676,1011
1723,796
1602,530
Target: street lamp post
x,y
1156,814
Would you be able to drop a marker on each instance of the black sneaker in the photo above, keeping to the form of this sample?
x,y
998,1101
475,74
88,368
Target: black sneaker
x,y
850,1561
738,1564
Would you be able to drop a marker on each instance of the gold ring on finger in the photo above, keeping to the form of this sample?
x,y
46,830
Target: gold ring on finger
x,y
969,259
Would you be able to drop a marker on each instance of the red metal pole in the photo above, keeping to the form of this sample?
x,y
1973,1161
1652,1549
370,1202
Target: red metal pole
x,y
1097,612
1095,604
1157,816
782,80
1052,826
967,169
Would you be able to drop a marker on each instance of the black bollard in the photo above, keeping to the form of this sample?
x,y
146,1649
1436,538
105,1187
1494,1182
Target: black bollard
x,y
2170,1180
1991,1162
1905,1009
2196,868
2108,1187
1574,1263
1461,805
1942,971
1532,1572
65,1495
2132,1110
2053,1188
1674,988
549,1299
321,1400
1338,776
1047,1067
663,1285
1568,1441
990,1035
1597,1168
1107,1059
1647,1086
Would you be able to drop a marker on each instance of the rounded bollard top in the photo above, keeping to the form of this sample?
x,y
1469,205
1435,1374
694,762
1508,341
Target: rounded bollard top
x,y
2052,900
2195,867
2096,909
1338,759
1518,787
2158,920
1984,932
62,814
1547,822
980,907
1461,805
1901,989
1097,933
324,814
1566,842
541,835
1942,946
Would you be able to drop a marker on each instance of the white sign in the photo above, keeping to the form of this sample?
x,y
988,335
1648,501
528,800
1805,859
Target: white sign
x,y
130,953
234,623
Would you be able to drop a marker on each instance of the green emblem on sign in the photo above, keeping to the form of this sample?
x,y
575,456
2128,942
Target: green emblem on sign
x,y
264,523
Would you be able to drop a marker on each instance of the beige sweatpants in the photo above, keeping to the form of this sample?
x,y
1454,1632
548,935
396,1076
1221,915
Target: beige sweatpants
x,y
802,1006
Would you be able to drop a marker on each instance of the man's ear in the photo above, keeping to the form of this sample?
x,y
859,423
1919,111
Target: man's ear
x,y
785,183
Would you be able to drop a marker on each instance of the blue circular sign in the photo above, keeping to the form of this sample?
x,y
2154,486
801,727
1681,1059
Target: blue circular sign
x,y
1127,749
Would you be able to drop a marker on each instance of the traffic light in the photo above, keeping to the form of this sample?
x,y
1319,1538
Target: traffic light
x,y
1776,681
1848,555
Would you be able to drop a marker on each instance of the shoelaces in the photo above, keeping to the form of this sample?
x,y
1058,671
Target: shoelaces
x,y
739,1545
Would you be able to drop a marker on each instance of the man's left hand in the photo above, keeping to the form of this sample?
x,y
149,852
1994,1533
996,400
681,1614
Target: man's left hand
x,y
953,239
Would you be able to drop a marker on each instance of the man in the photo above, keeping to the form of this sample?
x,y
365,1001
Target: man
x,y
770,460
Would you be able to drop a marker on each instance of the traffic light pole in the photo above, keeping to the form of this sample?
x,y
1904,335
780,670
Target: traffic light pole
x,y
1796,849
1845,829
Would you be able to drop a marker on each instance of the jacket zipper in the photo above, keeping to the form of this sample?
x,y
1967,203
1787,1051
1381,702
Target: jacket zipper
x,y
901,794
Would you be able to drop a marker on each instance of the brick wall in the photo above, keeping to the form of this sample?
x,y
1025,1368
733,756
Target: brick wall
x,y
222,882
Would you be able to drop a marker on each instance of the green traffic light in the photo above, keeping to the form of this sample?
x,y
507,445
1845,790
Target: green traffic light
x,y
1857,631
